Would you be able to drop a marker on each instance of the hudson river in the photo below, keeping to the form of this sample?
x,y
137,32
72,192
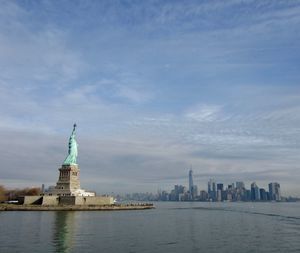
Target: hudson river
x,y
172,227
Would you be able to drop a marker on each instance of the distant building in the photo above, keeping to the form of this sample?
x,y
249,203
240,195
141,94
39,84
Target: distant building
x,y
164,196
182,197
211,189
194,192
178,192
191,182
229,196
193,189
263,194
248,195
240,185
203,196
255,195
274,190
220,194
191,185
220,187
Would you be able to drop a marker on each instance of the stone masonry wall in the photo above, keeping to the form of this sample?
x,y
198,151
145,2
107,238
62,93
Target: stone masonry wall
x,y
67,200
94,201
31,200
50,200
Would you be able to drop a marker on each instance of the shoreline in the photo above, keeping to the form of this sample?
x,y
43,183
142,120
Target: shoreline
x,y
121,207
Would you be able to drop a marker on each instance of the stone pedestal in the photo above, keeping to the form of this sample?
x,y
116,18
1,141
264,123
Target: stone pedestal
x,y
68,182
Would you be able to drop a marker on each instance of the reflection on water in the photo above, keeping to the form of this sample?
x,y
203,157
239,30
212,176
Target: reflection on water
x,y
193,233
63,231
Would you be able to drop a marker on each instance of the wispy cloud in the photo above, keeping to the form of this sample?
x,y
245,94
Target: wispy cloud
x,y
132,94
203,113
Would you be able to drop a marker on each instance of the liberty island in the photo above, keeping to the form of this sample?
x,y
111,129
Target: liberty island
x,y
68,194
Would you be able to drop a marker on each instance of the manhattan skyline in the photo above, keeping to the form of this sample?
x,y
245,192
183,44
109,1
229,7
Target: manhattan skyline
x,y
154,87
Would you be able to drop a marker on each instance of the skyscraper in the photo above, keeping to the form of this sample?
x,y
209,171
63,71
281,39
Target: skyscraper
x,y
214,191
263,194
220,192
240,185
195,192
240,191
255,194
191,183
211,190
209,186
274,189
220,187
178,191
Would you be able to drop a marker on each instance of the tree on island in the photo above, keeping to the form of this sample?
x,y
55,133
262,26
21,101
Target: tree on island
x,y
12,194
2,193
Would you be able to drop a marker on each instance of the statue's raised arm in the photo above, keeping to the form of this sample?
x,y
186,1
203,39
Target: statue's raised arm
x,y
72,153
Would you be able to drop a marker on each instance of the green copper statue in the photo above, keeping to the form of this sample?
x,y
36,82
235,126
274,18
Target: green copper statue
x,y
71,158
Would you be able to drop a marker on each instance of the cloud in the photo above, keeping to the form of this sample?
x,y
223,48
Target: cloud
x,y
35,58
203,113
132,94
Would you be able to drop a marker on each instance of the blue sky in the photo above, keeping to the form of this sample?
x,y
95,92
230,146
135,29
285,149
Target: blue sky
x,y
154,87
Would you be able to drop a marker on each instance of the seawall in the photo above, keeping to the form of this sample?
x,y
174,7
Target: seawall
x,y
115,207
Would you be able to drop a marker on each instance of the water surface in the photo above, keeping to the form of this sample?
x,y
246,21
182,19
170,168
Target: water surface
x,y
172,227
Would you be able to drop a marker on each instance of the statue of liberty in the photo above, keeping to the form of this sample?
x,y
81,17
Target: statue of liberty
x,y
72,156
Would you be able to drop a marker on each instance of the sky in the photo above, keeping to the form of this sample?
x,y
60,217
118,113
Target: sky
x,y
155,87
